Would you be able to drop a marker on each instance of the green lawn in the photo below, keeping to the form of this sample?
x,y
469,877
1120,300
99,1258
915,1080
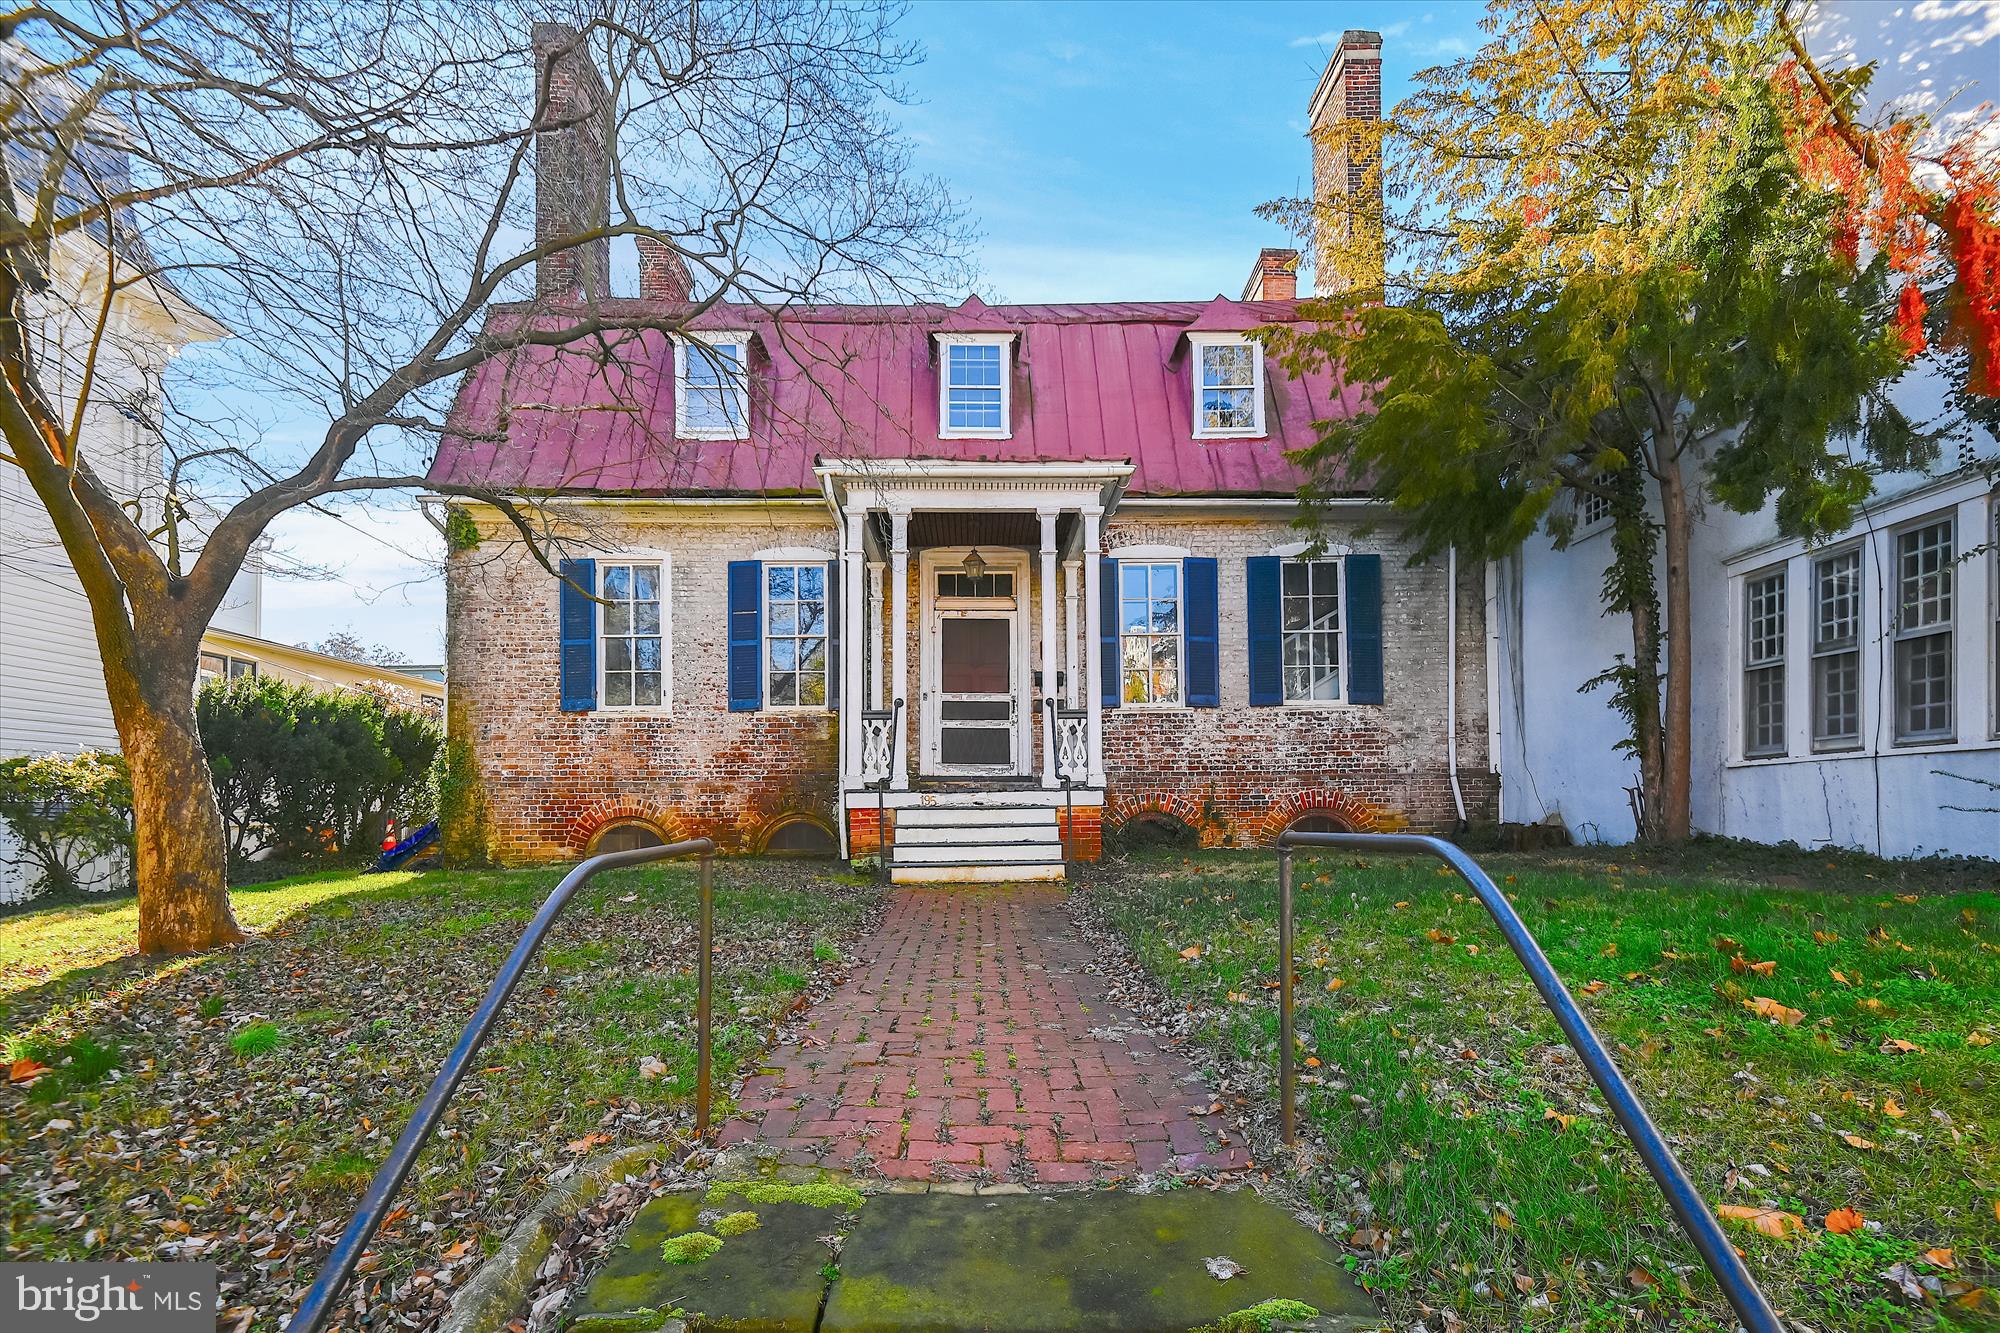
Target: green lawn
x,y
1463,1152
230,1107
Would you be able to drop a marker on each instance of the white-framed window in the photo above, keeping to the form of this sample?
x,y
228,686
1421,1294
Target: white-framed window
x,y
1593,511
796,657
632,633
1925,579
975,385
712,386
1836,650
1310,618
1228,385
1764,665
1149,631
221,666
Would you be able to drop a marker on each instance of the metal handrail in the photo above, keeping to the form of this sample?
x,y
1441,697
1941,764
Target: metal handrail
x,y
1692,1211
318,1305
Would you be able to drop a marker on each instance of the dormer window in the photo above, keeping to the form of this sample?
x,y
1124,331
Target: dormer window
x,y
712,386
1228,385
974,385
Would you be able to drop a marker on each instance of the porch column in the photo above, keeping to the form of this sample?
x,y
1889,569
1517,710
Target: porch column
x,y
1093,642
899,638
873,619
853,615
1072,581
1048,518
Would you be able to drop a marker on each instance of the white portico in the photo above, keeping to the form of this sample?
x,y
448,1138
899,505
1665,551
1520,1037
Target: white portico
x,y
969,704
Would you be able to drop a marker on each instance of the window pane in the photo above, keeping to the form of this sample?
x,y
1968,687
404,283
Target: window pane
x,y
1837,600
784,688
646,689
1837,697
646,583
617,654
1924,575
1229,364
617,690
1166,617
1136,616
1166,687
646,617
1135,687
1166,580
1226,409
617,618
617,582
782,582
812,689
811,580
812,617
1132,581
1765,696
1924,687
1134,650
812,655
1297,574
1166,652
646,654
784,654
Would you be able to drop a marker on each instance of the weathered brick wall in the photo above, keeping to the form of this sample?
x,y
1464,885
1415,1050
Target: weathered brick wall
x,y
549,780
1238,774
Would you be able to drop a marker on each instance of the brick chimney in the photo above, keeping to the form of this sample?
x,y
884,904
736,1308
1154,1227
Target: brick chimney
x,y
1274,277
1345,160
572,172
663,274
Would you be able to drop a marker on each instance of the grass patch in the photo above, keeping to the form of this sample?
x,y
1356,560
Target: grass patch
x,y
735,1224
1467,1157
691,1248
816,1194
239,1100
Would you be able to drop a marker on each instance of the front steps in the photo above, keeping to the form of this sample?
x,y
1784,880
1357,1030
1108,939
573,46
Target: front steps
x,y
999,842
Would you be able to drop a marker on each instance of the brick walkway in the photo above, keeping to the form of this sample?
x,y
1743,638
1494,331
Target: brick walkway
x,y
963,1048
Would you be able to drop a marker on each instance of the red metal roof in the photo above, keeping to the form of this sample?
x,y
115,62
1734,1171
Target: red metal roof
x,y
1091,383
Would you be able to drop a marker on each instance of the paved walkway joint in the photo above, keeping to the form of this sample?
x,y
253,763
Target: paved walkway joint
x,y
971,1044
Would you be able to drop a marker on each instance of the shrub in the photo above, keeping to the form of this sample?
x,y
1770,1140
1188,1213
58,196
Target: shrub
x,y
258,1038
66,812
313,775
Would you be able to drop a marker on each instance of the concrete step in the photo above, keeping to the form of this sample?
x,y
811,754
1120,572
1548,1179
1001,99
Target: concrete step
x,y
994,853
1037,872
937,816
974,835
1107,1260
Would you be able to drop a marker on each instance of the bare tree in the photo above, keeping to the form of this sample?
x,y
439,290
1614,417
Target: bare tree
x,y
345,186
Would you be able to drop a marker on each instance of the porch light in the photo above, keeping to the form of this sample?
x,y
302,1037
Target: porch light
x,y
975,564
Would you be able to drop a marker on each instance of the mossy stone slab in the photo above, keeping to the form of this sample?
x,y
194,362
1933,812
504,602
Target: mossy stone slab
x,y
762,1281
1097,1260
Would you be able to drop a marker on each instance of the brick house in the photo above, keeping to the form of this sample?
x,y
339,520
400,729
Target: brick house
x,y
985,582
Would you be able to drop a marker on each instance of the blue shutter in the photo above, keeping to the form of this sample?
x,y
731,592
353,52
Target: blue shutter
x,y
1107,628
576,630
1267,635
1363,577
833,634
1204,632
746,636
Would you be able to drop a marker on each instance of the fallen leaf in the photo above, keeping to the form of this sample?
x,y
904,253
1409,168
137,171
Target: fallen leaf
x,y
1843,1221
1979,1039
1824,937
1890,1108
1192,952
578,1147
1563,1122
1238,997
1768,1221
25,1071
1468,1055
1766,968
1856,1141
1400,906
1723,944
1906,897
1838,975
651,1066
1523,1283
1941,1257
1335,984
1221,1268
1503,1220
1639,1277
1897,1046
1873,1005
1595,987
1765,1007
1436,936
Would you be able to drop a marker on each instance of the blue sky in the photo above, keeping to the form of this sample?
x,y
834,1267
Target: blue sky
x,y
1109,151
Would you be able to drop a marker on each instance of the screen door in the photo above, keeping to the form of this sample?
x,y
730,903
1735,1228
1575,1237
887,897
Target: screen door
x,y
975,717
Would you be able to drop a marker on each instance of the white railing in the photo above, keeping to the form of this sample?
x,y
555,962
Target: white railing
x,y
878,742
1073,744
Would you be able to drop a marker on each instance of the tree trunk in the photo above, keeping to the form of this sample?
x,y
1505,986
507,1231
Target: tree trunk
x,y
1675,822
1646,737
181,852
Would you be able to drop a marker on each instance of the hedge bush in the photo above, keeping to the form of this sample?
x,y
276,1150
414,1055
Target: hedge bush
x,y
313,775
67,811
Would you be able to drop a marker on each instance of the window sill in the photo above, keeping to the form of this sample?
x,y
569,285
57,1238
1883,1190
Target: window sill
x,y
699,433
633,710
1254,433
1317,705
797,708
1887,751
975,435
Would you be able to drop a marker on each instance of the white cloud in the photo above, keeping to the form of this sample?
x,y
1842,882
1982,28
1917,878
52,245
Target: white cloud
x,y
386,584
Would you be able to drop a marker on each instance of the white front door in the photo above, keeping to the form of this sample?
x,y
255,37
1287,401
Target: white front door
x,y
974,668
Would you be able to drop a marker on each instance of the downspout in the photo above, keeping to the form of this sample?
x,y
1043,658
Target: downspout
x,y
1451,680
1493,688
